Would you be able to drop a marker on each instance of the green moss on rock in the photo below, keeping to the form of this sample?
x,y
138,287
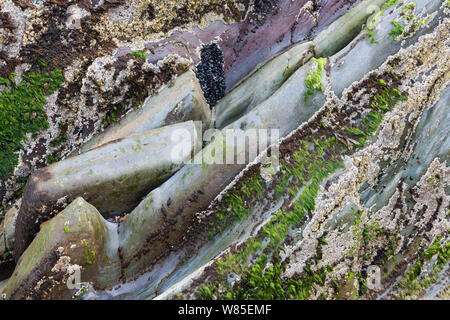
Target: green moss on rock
x,y
22,112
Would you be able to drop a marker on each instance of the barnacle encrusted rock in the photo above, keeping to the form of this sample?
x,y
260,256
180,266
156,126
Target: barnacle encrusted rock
x,y
368,216
177,102
141,162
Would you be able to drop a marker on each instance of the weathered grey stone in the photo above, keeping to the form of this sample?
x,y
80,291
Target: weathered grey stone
x,y
287,108
159,222
7,228
71,242
114,177
101,71
261,83
180,101
2,286
400,185
284,108
361,55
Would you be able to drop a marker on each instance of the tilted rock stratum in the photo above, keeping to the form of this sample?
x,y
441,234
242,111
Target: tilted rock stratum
x,y
117,117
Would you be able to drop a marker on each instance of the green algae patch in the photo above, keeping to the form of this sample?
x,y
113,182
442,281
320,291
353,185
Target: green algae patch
x,y
419,278
397,31
381,104
313,81
389,4
258,279
263,282
22,112
370,29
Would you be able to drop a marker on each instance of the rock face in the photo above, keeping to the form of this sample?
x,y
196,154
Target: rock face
x,y
261,84
7,228
72,242
194,187
181,101
104,58
327,175
141,162
7,235
351,214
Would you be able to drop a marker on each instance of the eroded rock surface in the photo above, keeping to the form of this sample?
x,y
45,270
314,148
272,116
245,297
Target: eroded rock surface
x,y
180,101
72,242
114,177
97,60
350,201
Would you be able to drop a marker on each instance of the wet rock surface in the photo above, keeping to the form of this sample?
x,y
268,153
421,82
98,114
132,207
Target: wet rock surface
x,y
211,74
112,55
350,201
141,161
182,100
71,242
7,236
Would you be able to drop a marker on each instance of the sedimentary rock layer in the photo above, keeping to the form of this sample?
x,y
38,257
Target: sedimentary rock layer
x,y
106,58
352,203
114,177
